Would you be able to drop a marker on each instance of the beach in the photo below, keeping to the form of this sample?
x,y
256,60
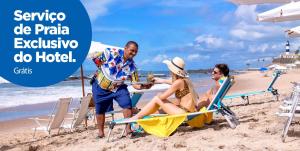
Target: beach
x,y
259,128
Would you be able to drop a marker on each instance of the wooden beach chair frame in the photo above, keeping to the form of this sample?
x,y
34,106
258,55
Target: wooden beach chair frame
x,y
78,114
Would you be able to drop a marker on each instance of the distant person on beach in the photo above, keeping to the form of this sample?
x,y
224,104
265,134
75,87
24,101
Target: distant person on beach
x,y
219,71
181,86
114,67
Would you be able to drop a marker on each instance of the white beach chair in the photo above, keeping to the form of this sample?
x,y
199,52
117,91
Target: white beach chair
x,y
289,102
56,118
289,107
79,115
290,110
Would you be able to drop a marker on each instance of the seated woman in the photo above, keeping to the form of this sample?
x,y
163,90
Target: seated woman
x,y
181,86
219,71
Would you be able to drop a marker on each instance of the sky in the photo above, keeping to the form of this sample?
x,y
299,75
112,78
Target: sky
x,y
201,32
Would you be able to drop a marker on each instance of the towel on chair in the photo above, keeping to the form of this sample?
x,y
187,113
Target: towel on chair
x,y
162,126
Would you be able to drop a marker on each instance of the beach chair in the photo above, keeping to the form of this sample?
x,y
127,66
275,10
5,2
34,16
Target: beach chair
x,y
216,106
135,97
291,110
56,118
270,89
78,114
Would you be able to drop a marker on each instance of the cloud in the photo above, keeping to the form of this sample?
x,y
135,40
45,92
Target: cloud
x,y
156,59
253,32
257,48
96,8
247,28
146,61
211,42
159,58
193,57
264,47
246,13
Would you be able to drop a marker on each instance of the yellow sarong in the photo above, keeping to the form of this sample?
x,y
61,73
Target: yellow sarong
x,y
162,126
201,119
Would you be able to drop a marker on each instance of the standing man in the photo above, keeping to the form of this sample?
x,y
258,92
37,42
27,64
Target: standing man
x,y
114,67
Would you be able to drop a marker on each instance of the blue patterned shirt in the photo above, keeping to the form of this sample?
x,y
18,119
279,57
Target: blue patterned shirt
x,y
111,62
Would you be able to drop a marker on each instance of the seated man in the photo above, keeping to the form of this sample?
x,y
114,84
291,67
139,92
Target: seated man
x,y
219,71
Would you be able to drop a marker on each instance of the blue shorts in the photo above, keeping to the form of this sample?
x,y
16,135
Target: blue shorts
x,y
103,99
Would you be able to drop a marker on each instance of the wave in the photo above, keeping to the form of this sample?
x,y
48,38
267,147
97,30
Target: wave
x,y
11,96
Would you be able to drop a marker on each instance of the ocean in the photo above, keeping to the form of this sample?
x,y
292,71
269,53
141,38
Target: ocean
x,y
20,102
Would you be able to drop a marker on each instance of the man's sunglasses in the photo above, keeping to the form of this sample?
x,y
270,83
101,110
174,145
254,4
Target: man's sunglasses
x,y
215,72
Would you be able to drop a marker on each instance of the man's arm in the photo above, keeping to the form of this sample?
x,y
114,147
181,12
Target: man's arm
x,y
99,57
204,100
160,80
135,78
142,86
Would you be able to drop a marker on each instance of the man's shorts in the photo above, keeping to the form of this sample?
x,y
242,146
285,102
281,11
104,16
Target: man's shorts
x,y
103,99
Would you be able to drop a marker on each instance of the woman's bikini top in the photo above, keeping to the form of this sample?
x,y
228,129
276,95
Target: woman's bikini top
x,y
180,94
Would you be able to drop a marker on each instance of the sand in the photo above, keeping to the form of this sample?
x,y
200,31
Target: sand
x,y
259,128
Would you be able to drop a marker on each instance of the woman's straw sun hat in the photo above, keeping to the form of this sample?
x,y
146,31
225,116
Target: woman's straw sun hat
x,y
176,65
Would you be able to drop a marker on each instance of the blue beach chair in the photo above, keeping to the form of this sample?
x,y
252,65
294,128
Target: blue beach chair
x,y
215,106
135,97
270,89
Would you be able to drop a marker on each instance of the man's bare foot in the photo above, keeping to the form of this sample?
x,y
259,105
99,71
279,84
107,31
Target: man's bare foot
x,y
100,135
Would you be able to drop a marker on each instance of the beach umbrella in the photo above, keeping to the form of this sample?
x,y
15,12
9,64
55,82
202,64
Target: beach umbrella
x,y
82,81
263,69
251,2
281,68
273,66
286,12
97,46
294,32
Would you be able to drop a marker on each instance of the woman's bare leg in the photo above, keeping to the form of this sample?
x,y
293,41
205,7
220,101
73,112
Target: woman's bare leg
x,y
169,107
154,105
148,109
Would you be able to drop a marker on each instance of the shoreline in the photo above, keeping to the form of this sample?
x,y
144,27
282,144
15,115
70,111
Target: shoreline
x,y
42,109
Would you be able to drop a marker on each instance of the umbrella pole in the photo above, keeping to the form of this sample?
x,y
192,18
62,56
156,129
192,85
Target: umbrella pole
x,y
83,93
82,80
